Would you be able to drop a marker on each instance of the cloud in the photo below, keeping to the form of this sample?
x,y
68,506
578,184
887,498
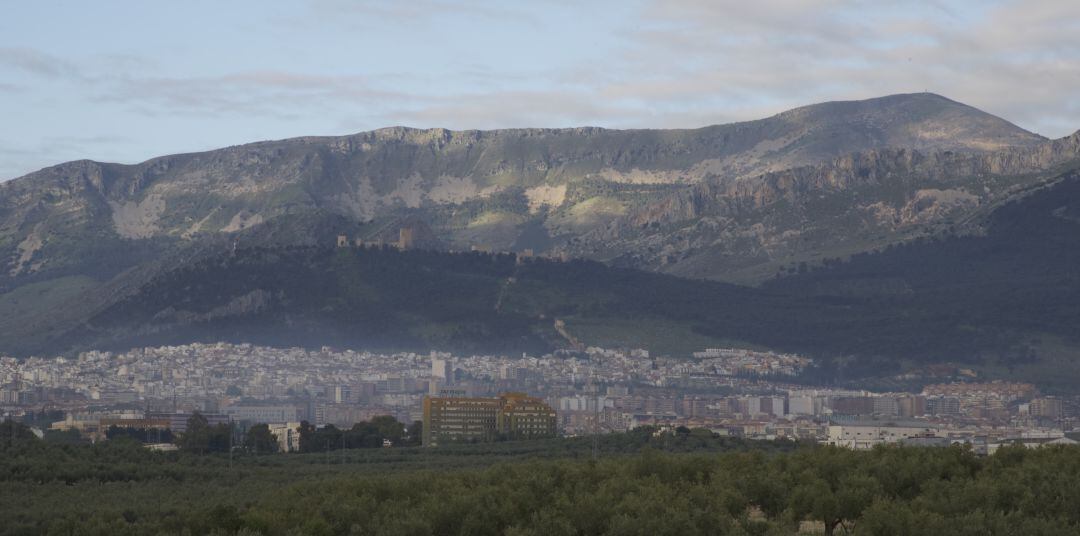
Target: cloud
x,y
652,63
686,63
269,93
17,157
1016,59
377,11
508,109
37,63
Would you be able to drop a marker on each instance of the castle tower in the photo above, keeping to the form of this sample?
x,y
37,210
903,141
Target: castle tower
x,y
342,241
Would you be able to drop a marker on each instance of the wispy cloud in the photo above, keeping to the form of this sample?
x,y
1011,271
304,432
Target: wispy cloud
x,y
18,157
1017,59
272,93
37,63
416,10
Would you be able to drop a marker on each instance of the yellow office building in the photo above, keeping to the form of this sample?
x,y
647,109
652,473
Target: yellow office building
x,y
510,416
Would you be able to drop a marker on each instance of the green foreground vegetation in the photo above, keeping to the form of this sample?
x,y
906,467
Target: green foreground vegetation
x,y
689,482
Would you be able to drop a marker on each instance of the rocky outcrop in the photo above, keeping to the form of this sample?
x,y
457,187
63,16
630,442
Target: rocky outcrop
x,y
775,216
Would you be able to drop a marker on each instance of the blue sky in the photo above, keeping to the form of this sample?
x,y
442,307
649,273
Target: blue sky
x,y
125,81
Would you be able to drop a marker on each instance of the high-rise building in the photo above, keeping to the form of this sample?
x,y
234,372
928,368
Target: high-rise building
x,y
887,406
772,405
441,368
510,416
942,405
525,417
911,406
1047,408
459,419
852,405
405,238
343,394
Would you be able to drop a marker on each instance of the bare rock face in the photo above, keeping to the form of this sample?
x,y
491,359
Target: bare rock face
x,y
652,198
731,228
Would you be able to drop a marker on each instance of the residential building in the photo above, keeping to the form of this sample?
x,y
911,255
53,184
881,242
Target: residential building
x,y
525,417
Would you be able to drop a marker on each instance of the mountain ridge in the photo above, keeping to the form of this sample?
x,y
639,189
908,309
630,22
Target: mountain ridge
x,y
473,187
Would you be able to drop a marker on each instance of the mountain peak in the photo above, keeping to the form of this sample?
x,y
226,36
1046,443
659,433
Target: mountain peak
x,y
924,121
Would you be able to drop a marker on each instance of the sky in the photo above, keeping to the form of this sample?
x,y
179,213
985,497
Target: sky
x,y
124,81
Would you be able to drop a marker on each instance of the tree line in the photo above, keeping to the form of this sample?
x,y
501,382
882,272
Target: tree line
x,y
687,482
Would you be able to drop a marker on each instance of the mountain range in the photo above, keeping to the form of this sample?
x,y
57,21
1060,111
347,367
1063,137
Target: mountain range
x,y
696,202
792,205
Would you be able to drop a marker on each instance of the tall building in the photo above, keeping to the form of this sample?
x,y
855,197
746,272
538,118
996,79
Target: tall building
x,y
525,417
886,405
441,368
459,419
343,394
1047,408
510,416
942,405
405,238
911,406
852,405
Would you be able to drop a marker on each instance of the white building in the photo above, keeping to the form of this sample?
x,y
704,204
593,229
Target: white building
x,y
441,368
263,414
1030,442
861,435
805,404
288,436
